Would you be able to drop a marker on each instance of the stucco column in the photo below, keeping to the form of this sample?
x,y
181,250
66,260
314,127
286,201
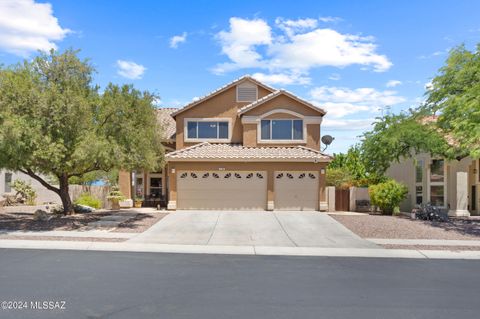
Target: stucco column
x,y
172,187
331,198
322,196
270,190
461,203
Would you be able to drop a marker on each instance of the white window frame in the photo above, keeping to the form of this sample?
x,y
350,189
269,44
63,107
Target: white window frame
x,y
214,140
304,129
444,183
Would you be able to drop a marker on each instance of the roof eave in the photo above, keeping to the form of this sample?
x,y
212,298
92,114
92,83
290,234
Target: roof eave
x,y
263,160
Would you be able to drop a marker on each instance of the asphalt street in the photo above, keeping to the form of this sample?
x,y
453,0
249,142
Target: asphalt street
x,y
154,285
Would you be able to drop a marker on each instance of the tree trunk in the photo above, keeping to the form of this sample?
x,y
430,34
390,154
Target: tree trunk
x,y
65,196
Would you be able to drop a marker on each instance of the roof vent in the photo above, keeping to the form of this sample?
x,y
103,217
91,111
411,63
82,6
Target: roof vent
x,y
247,92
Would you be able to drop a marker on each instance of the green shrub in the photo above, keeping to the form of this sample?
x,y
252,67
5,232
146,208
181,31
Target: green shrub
x,y
88,200
339,178
25,191
387,195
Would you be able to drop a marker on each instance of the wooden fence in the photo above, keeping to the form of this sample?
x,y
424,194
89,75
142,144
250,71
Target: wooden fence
x,y
100,192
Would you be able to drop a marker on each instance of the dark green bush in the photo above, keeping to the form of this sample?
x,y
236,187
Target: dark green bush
x,y
387,196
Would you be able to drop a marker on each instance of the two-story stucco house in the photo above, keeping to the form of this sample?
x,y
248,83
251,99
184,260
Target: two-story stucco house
x,y
453,185
244,146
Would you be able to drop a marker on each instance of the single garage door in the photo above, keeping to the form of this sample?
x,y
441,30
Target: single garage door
x,y
222,190
296,190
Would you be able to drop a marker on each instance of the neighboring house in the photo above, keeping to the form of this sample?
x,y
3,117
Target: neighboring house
x,y
245,146
454,185
43,195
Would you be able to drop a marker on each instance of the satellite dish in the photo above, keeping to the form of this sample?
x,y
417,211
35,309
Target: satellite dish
x,y
327,139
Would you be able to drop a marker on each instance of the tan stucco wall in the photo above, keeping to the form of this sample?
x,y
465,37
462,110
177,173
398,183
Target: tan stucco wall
x,y
223,105
282,102
125,183
246,166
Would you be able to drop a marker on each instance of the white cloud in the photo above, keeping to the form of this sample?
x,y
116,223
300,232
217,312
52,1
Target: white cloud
x,y
428,86
393,83
294,46
435,54
326,47
239,43
347,124
293,26
340,102
130,69
329,19
282,78
27,26
177,39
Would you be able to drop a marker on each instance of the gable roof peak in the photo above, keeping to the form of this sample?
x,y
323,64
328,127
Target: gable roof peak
x,y
222,89
274,94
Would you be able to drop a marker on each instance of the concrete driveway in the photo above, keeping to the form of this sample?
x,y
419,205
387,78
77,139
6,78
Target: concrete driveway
x,y
285,229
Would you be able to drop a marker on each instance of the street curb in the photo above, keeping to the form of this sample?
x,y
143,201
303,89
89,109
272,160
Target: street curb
x,y
240,250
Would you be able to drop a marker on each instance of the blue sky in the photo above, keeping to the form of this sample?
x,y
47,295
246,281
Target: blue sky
x,y
351,57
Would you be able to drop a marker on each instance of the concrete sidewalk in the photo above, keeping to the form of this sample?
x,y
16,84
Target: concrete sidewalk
x,y
277,229
239,250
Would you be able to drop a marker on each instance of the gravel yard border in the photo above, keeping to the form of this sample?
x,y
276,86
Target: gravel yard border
x,y
400,227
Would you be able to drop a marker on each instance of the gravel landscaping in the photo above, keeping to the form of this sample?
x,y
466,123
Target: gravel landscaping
x,y
25,221
428,247
400,227
140,223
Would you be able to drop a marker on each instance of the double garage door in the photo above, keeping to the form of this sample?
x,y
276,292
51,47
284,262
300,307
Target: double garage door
x,y
246,190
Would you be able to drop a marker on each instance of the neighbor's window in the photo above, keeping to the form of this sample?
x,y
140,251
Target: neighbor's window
x,y
8,182
281,129
419,182
437,182
207,129
436,171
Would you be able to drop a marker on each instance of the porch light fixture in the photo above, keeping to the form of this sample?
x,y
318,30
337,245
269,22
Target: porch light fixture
x,y
173,170
322,171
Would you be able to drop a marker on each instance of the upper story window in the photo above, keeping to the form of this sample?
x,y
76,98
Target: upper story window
x,y
207,129
277,130
247,92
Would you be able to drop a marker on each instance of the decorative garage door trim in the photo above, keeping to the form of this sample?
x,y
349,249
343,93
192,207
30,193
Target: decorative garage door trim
x,y
296,190
222,190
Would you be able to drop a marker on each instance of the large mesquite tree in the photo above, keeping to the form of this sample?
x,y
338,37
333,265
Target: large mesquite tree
x,y
55,122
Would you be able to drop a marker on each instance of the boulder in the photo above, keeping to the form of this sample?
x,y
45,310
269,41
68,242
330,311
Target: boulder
x,y
83,209
41,215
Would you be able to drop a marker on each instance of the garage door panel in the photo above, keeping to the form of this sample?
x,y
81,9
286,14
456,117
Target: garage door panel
x,y
296,190
222,190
